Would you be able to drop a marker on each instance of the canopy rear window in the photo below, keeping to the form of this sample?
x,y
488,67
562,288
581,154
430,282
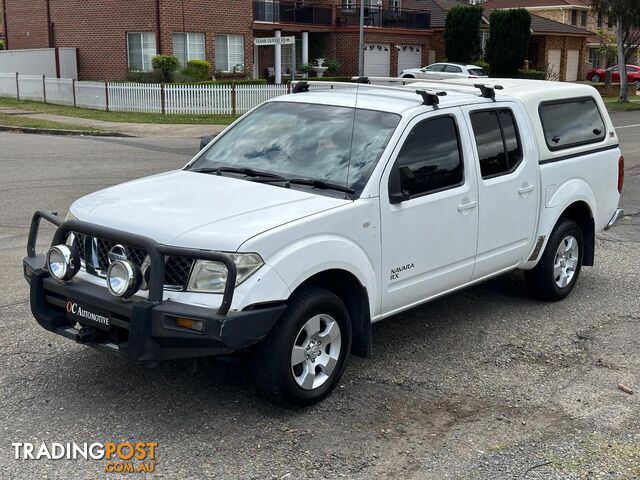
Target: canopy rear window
x,y
571,123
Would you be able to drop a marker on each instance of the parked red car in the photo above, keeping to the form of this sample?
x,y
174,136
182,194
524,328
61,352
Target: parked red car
x,y
598,74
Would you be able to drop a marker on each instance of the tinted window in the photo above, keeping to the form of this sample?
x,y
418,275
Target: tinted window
x,y
572,122
478,72
497,141
430,159
452,69
434,68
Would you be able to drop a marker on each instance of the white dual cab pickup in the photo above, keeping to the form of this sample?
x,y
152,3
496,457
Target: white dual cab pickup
x,y
321,212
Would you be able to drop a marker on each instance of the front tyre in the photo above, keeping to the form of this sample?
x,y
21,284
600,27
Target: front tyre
x,y
559,268
304,356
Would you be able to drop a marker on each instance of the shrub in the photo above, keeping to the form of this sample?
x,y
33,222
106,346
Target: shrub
x,y
257,81
197,70
508,41
2,44
462,33
532,74
332,65
139,76
165,65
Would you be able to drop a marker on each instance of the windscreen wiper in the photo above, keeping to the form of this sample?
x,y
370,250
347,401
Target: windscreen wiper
x,y
249,172
316,183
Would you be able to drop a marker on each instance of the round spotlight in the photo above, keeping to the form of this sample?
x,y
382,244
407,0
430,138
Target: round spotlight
x,y
123,278
63,262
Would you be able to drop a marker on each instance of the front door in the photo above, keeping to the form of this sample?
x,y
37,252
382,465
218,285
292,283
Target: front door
x,y
508,187
429,214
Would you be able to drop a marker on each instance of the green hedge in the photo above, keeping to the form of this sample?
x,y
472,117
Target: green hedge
x,y
532,74
241,81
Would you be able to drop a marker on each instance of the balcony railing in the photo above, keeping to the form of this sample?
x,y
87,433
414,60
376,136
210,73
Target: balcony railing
x,y
291,12
342,15
384,17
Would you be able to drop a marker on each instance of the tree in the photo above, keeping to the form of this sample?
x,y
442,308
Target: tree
x,y
626,14
462,33
508,41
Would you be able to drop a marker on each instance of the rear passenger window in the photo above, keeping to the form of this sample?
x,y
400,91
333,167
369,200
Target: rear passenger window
x,y
497,141
570,123
430,159
452,69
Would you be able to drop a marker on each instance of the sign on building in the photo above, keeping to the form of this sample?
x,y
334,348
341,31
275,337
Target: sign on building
x,y
274,41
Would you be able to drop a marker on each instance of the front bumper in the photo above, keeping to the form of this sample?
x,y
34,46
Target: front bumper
x,y
139,329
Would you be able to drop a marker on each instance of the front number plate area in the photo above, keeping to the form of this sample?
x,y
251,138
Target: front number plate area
x,y
87,315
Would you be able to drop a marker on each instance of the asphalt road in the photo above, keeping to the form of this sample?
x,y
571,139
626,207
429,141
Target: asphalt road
x,y
486,383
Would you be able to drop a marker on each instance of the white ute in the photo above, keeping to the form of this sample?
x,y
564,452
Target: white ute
x,y
321,212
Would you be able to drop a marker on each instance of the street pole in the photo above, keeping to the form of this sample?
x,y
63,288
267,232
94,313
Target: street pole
x,y
361,42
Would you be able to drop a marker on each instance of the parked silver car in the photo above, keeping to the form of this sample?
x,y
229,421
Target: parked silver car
x,y
440,71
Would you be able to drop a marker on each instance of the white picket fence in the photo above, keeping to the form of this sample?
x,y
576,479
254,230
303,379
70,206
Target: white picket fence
x,y
141,97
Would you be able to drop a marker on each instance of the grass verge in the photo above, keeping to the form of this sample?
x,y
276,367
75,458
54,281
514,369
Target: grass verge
x,y
125,117
18,121
612,103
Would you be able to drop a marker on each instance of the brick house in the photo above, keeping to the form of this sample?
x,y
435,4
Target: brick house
x,y
553,44
576,13
114,36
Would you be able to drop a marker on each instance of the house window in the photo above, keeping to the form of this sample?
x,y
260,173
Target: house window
x,y
141,48
600,20
583,18
348,4
188,46
594,57
395,4
287,57
611,22
229,52
574,17
484,38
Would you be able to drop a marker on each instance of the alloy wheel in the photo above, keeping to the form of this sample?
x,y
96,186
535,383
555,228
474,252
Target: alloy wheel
x,y
316,351
566,261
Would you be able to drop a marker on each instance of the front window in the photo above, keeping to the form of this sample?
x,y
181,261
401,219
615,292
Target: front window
x,y
229,52
141,48
188,46
340,145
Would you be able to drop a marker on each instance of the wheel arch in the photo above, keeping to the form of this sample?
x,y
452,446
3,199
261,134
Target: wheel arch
x,y
346,286
581,213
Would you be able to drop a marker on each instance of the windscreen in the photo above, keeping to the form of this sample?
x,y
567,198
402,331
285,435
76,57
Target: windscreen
x,y
335,144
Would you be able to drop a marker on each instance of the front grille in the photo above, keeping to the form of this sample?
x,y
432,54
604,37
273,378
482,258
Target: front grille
x,y
94,252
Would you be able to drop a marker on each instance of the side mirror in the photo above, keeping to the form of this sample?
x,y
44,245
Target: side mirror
x,y
398,197
204,141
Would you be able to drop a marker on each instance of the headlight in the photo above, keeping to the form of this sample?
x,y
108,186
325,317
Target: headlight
x,y
209,276
63,262
123,278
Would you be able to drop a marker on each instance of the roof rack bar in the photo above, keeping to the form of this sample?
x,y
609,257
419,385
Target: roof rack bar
x,y
430,97
300,87
353,85
488,90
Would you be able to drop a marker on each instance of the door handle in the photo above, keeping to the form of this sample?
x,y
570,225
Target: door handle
x,y
467,206
526,188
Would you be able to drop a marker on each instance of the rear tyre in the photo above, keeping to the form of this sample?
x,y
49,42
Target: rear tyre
x,y
637,84
595,78
559,268
304,356
408,76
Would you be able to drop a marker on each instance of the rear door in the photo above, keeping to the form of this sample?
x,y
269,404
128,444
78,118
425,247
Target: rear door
x,y
428,234
508,186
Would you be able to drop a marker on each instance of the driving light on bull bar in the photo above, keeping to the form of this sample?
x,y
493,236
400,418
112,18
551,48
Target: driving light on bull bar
x,y
123,278
63,262
210,276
